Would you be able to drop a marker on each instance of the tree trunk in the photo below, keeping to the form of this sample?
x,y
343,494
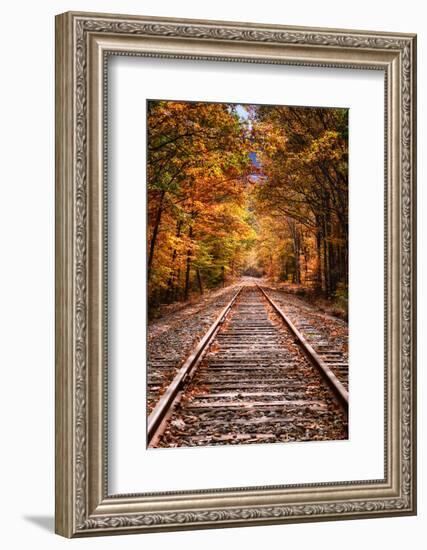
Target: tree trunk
x,y
199,280
326,258
176,290
155,232
333,267
296,243
188,266
297,257
295,234
172,278
319,258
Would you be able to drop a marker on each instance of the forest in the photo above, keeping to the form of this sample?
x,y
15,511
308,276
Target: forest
x,y
256,190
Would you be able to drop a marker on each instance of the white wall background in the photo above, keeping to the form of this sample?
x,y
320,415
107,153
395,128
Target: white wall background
x,y
27,273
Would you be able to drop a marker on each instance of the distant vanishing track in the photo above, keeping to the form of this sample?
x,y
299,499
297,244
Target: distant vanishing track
x,y
253,378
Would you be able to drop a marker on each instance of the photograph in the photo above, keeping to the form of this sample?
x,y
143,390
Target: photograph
x,y
235,271
247,273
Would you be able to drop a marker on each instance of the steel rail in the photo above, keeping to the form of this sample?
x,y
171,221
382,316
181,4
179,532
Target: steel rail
x,y
166,400
337,387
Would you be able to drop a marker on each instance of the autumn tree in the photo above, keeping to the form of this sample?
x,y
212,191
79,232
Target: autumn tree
x,y
196,174
245,189
303,153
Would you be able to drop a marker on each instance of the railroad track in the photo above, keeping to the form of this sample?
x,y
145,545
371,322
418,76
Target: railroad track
x,y
253,378
314,328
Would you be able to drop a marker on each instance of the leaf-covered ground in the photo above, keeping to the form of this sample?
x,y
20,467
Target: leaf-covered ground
x,y
172,337
255,385
180,327
334,329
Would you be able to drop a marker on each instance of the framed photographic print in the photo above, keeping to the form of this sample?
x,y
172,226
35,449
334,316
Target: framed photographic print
x,y
235,274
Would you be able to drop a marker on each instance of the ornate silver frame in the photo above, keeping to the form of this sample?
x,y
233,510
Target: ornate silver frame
x,y
83,505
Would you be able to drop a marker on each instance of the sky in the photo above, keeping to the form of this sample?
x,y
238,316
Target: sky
x,y
242,112
244,115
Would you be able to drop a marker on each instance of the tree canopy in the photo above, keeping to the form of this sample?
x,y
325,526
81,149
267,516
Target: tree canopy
x,y
245,189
